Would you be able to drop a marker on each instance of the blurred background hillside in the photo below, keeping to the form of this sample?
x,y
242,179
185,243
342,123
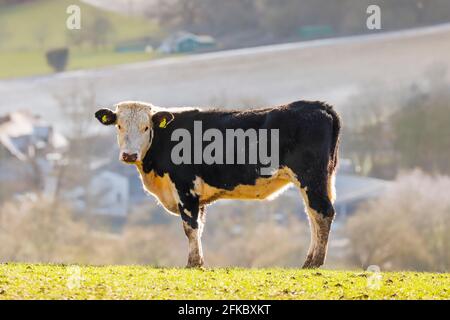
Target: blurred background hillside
x,y
124,31
64,196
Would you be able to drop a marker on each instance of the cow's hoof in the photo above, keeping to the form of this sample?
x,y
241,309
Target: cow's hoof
x,y
313,262
307,263
310,266
195,263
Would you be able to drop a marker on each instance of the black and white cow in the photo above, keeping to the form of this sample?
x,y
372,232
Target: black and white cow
x,y
308,139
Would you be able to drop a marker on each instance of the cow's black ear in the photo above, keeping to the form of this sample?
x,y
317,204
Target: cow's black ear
x,y
106,116
162,119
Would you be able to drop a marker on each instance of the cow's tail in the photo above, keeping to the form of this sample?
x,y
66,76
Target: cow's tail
x,y
334,148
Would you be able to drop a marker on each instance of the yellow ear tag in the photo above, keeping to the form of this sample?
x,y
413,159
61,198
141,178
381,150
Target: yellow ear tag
x,y
104,118
163,123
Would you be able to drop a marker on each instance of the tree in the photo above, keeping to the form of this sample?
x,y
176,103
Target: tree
x,y
77,107
405,228
57,58
216,17
100,31
41,35
97,31
421,128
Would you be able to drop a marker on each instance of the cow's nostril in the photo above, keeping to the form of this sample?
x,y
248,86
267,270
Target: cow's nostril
x,y
129,157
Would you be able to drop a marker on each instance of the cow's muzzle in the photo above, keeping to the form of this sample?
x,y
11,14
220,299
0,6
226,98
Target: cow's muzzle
x,y
129,158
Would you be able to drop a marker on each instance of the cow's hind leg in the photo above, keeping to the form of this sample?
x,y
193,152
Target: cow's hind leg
x,y
193,218
320,226
318,197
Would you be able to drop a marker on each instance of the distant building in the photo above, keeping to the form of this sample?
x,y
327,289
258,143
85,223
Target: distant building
x,y
27,147
109,192
137,195
311,32
184,42
352,190
113,189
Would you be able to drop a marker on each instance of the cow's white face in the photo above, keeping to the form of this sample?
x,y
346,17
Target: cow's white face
x,y
135,123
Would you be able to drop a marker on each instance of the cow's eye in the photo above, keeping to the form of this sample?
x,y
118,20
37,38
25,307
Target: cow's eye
x,y
119,127
146,128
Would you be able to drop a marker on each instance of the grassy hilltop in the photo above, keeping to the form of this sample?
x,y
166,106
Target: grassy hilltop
x,y
28,30
27,281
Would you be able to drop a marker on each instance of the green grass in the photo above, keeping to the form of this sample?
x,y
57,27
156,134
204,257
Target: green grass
x,y
23,281
22,53
24,63
22,23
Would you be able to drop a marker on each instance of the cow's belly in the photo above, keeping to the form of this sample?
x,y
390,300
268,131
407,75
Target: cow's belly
x,y
165,191
262,189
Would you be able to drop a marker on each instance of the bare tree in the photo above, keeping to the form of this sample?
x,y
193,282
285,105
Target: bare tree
x,y
77,106
99,31
406,228
41,34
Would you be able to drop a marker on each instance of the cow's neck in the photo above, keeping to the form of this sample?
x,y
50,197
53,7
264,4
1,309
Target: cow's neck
x,y
147,164
141,168
148,178
161,187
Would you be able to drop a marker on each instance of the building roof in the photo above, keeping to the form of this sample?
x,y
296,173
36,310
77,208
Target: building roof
x,y
170,43
350,188
16,124
20,129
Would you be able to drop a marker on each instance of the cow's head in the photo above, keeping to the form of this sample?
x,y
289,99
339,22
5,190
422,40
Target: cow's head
x,y
135,123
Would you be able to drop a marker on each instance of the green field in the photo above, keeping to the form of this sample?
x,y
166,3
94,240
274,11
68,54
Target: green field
x,y
22,64
28,30
23,281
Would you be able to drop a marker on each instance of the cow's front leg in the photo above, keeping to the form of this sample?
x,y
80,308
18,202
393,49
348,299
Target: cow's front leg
x,y
193,222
